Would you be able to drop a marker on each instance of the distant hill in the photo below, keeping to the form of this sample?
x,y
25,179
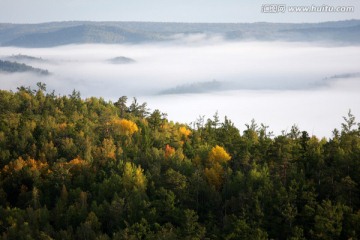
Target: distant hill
x,y
349,34
344,76
14,67
25,58
62,33
76,35
199,87
121,60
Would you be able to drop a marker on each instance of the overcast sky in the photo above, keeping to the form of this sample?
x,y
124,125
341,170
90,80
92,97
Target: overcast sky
x,y
35,11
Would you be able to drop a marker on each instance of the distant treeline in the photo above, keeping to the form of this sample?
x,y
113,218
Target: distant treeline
x,y
73,168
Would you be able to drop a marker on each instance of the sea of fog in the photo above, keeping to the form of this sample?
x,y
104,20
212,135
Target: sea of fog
x,y
276,83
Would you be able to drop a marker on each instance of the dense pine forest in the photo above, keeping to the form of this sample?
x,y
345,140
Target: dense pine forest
x,y
74,168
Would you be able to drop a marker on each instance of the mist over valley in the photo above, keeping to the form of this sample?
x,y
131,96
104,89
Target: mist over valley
x,y
198,70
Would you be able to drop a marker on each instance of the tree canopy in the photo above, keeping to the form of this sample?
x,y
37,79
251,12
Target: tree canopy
x,y
73,168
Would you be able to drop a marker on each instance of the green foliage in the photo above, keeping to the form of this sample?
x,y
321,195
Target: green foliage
x,y
73,168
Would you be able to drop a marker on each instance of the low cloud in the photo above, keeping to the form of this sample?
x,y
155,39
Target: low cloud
x,y
276,83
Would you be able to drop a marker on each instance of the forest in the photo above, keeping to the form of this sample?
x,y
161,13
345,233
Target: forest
x,y
75,168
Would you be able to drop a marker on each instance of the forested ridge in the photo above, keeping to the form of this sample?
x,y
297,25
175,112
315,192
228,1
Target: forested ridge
x,y
73,168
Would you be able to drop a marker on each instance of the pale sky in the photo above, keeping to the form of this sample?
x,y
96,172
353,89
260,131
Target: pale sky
x,y
36,11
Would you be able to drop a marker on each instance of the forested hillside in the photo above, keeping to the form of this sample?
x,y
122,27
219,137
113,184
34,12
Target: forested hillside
x,y
14,67
73,168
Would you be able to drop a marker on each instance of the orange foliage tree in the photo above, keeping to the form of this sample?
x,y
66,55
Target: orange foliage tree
x,y
169,151
20,163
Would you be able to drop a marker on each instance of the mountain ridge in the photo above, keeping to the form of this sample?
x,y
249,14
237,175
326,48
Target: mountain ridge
x,y
78,32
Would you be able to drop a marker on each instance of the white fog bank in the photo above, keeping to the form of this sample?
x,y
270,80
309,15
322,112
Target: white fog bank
x,y
279,84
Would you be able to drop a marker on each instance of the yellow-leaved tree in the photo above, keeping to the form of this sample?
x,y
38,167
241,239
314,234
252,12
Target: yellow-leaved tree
x,y
122,127
218,155
214,175
127,127
184,132
215,172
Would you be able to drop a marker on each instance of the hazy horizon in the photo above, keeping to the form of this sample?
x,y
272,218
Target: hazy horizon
x,y
206,11
185,22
